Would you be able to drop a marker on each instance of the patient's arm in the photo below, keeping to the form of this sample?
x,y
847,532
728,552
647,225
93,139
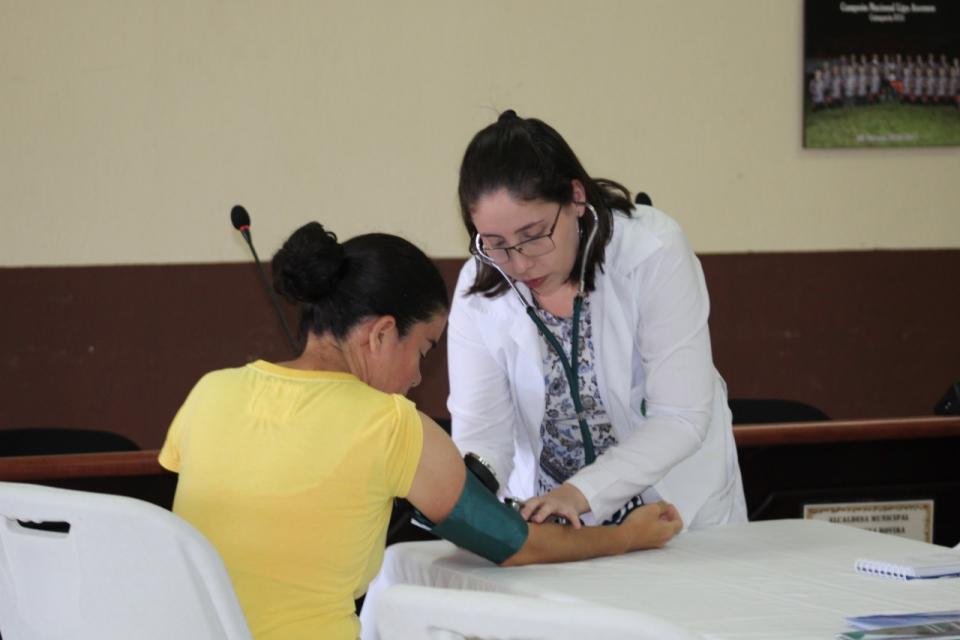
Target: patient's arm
x,y
439,483
646,527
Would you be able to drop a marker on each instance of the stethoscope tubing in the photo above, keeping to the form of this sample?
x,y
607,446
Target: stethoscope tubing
x,y
570,366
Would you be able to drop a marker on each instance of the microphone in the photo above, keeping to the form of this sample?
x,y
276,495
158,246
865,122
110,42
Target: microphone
x,y
241,222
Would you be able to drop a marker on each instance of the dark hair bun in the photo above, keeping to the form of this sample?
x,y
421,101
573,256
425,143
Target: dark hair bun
x,y
310,264
509,114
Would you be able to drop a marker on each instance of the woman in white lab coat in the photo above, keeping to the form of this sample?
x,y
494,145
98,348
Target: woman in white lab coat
x,y
648,417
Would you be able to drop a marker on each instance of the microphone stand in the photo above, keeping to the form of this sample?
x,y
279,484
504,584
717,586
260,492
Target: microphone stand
x,y
243,226
273,297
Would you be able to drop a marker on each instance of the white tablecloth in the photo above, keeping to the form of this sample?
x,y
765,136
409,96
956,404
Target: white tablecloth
x,y
770,579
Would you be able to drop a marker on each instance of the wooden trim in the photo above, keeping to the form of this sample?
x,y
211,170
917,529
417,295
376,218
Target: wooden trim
x,y
144,463
787,433
81,465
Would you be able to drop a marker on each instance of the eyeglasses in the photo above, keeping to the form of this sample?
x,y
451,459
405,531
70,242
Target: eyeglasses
x,y
531,248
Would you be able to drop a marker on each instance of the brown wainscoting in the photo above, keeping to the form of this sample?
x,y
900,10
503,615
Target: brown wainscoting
x,y
858,334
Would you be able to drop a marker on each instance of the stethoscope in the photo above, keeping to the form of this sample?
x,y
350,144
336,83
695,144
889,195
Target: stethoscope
x,y
569,365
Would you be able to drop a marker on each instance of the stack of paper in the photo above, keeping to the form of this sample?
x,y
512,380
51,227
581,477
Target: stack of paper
x,y
931,624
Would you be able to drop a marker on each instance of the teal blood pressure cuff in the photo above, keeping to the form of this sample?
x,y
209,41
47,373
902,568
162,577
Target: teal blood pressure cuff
x,y
481,523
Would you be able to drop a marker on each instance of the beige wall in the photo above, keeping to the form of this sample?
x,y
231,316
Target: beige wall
x,y
129,128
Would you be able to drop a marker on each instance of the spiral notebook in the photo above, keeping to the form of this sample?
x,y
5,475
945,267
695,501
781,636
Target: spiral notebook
x,y
930,564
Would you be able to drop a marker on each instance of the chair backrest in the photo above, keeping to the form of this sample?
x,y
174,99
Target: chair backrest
x,y
409,612
767,411
38,441
84,565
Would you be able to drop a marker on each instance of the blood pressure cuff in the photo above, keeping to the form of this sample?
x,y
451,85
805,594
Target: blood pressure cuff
x,y
481,523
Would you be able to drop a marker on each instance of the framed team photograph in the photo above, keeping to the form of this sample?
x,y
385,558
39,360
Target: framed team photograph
x,y
881,74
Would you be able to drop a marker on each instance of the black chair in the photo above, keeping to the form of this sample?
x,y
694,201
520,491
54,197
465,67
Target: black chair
x,y
949,404
766,411
772,472
443,422
38,441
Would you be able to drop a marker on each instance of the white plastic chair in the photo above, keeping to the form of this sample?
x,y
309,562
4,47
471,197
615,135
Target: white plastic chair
x,y
410,612
125,569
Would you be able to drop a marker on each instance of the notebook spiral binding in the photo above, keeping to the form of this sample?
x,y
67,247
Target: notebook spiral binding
x,y
881,569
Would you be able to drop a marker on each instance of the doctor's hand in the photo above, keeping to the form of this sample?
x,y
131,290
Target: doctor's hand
x,y
565,501
652,525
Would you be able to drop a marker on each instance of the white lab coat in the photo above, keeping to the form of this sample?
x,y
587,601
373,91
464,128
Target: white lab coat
x,y
650,310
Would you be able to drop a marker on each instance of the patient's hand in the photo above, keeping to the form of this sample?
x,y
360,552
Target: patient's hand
x,y
652,525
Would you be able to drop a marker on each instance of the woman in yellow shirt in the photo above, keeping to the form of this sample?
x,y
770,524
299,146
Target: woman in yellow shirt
x,y
290,469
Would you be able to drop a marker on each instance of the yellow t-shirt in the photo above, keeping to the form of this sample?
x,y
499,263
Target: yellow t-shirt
x,y
291,475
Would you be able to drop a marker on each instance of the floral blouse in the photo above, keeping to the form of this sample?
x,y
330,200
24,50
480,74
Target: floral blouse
x,y
563,453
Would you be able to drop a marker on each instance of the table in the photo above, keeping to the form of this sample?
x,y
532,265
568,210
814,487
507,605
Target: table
x,y
769,579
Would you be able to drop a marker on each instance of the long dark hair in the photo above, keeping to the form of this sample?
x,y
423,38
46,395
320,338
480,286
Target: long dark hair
x,y
338,285
529,159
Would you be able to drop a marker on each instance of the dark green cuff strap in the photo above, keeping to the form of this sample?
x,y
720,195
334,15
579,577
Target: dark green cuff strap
x,y
481,523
